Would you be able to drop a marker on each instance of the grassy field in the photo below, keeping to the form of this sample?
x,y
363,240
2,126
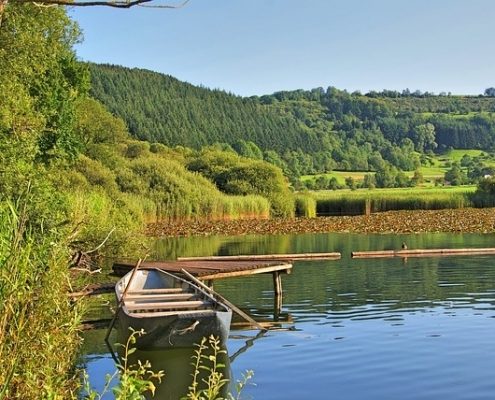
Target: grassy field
x,y
429,174
440,165
456,155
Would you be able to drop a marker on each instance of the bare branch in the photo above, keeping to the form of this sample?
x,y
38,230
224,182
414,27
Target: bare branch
x,y
102,243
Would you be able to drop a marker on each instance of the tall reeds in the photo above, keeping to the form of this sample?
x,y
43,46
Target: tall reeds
x,y
305,205
37,323
361,202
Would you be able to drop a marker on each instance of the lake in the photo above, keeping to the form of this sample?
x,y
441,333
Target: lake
x,y
421,328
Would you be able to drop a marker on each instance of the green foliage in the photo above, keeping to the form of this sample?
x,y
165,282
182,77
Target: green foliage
x,y
455,175
239,176
137,149
95,125
485,193
43,80
147,182
350,183
96,173
417,178
162,109
369,181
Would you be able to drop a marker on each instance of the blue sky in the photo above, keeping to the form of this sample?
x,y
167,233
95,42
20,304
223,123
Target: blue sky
x,y
260,46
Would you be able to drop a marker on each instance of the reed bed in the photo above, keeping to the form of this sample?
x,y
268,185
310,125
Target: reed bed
x,y
368,201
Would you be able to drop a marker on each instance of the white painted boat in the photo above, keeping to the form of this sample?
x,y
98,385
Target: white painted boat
x,y
173,312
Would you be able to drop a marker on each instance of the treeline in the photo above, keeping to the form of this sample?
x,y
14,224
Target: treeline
x,y
301,131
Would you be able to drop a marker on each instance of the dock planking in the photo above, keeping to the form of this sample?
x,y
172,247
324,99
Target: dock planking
x,y
210,270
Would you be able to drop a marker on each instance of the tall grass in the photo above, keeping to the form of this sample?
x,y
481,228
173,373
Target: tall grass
x,y
36,319
95,214
305,205
355,203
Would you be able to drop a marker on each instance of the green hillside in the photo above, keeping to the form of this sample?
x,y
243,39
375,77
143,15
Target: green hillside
x,y
301,131
160,108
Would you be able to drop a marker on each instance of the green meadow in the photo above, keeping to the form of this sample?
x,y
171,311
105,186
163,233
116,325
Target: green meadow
x,y
439,165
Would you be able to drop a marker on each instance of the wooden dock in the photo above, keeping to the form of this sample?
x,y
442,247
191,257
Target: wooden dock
x,y
266,257
422,253
213,270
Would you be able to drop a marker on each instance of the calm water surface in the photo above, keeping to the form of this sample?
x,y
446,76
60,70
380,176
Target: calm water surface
x,y
421,328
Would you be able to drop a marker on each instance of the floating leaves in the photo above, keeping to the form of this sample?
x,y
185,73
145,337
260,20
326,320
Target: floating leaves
x,y
475,220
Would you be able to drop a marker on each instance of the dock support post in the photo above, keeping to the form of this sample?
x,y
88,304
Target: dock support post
x,y
277,283
277,306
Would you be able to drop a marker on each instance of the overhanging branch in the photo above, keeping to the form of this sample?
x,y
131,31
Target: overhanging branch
x,y
109,3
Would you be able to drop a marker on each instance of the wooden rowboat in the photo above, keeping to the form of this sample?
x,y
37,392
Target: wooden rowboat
x,y
172,312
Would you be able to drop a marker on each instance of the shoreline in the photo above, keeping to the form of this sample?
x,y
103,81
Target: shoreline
x,y
463,220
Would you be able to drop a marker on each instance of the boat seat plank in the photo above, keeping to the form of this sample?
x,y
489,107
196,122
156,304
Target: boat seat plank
x,y
174,305
167,297
192,313
157,291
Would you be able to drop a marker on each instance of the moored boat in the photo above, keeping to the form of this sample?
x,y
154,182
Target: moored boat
x,y
172,311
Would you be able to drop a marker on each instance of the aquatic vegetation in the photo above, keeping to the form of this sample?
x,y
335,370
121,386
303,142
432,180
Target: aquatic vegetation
x,y
210,387
476,220
134,379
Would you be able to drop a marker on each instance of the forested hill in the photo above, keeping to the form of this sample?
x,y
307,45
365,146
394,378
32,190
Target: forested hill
x,y
160,108
300,131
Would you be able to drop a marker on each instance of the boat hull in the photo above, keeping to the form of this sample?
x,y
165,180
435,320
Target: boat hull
x,y
168,323
175,330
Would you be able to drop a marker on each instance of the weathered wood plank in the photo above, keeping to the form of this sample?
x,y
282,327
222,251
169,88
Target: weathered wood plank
x,y
285,268
422,253
261,257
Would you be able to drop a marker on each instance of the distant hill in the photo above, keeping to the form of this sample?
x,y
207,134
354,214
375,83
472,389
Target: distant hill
x,y
160,108
301,131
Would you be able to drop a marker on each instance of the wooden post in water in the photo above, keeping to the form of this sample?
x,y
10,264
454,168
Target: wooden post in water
x,y
277,309
277,289
277,283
